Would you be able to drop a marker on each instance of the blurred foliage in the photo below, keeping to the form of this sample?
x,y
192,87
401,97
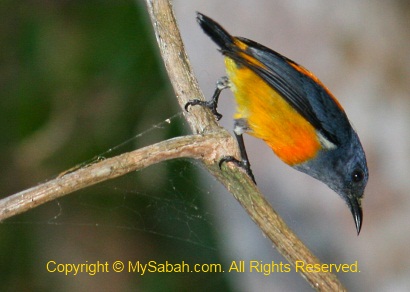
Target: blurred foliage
x,y
76,78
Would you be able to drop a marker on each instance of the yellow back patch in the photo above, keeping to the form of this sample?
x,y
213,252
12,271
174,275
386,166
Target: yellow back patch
x,y
270,117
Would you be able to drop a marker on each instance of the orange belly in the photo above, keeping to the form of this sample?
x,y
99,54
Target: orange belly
x,y
270,117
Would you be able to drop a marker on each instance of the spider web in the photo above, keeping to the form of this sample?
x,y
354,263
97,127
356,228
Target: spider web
x,y
156,214
164,201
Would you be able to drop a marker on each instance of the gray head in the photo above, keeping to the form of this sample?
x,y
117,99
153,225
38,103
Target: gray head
x,y
344,169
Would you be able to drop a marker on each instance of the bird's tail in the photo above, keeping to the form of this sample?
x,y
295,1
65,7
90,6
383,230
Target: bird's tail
x,y
216,32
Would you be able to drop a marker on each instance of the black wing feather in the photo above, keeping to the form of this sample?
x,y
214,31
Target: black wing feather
x,y
300,91
285,79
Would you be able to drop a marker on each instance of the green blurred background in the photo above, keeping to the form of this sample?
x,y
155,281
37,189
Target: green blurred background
x,y
77,78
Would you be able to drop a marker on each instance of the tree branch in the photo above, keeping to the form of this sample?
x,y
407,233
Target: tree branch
x,y
202,147
209,145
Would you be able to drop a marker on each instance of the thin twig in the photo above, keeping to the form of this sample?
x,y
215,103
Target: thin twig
x,y
201,147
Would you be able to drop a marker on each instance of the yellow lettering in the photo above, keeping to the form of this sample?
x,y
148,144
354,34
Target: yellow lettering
x,y
354,267
152,266
254,265
234,267
51,270
299,266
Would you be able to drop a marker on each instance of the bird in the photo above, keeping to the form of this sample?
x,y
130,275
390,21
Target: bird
x,y
288,107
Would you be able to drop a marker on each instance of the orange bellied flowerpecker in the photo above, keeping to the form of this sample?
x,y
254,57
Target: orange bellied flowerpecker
x,y
289,108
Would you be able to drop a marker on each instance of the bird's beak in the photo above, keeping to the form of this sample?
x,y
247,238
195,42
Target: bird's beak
x,y
356,209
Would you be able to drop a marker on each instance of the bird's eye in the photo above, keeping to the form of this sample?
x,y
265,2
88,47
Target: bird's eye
x,y
357,175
